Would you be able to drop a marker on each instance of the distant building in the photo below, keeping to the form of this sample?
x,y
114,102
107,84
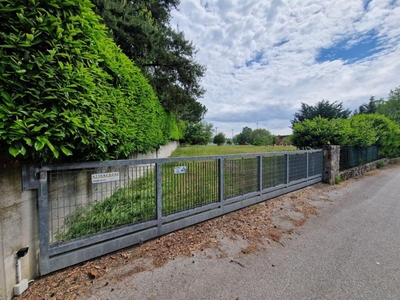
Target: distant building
x,y
280,138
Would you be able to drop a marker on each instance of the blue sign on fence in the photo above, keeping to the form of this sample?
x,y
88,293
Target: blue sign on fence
x,y
180,170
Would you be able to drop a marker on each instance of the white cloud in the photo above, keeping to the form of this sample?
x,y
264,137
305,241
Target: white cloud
x,y
261,56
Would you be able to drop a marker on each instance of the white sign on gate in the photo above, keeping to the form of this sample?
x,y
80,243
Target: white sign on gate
x,y
180,170
105,177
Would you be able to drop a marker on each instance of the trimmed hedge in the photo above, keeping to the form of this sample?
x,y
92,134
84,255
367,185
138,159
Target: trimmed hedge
x,y
66,89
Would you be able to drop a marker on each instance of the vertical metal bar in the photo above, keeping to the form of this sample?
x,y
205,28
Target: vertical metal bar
x,y
43,199
287,169
260,182
159,196
221,180
307,166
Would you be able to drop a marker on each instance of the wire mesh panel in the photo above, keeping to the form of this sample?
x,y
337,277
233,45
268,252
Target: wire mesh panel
x,y
273,171
188,184
240,176
89,201
297,166
315,163
354,156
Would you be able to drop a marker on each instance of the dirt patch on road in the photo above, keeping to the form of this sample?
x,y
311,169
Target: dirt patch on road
x,y
255,227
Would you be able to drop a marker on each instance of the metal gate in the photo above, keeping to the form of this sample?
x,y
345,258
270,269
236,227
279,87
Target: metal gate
x,y
89,209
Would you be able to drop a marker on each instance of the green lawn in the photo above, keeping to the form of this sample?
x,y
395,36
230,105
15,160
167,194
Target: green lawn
x,y
226,149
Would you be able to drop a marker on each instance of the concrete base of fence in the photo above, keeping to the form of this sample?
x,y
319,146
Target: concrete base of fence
x,y
359,170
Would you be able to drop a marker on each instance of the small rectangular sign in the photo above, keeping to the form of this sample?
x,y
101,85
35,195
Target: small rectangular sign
x,y
180,170
105,177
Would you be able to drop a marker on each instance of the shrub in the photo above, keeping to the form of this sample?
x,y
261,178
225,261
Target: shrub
x,y
219,139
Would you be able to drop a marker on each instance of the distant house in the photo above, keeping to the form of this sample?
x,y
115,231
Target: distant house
x,y
280,138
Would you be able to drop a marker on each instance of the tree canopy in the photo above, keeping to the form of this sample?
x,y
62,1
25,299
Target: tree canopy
x,y
142,29
391,107
323,108
219,139
198,133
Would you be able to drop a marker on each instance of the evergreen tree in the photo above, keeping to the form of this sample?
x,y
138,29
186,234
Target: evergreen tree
x,y
142,29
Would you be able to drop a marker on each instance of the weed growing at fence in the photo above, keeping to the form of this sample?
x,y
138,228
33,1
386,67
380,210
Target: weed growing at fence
x,y
380,164
338,179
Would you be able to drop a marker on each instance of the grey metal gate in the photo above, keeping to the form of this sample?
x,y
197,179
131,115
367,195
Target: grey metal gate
x,y
89,209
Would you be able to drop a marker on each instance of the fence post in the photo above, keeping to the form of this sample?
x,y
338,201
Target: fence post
x,y
221,181
331,163
159,196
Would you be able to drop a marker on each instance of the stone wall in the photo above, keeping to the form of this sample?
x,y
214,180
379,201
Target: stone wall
x,y
359,170
331,163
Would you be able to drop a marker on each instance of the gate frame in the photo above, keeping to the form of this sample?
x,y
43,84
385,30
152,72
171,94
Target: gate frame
x,y
59,256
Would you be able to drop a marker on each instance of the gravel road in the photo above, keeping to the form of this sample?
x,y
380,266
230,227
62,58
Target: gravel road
x,y
351,250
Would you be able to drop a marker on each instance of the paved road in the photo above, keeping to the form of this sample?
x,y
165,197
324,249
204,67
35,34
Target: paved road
x,y
351,250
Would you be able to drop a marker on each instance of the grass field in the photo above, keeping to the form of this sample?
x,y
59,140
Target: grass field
x,y
226,149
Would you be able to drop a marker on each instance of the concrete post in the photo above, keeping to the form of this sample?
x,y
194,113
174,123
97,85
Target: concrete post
x,y
331,163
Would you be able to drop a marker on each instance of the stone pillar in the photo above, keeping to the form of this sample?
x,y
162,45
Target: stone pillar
x,y
331,163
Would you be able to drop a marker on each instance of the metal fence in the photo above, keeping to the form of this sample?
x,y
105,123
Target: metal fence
x,y
354,156
90,209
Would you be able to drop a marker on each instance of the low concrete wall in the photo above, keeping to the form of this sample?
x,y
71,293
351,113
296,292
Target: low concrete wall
x,y
19,222
18,228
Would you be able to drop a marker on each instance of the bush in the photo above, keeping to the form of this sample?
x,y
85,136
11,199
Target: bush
x,y
219,139
67,89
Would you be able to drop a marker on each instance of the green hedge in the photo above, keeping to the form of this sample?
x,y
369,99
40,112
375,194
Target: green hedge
x,y
358,131
66,89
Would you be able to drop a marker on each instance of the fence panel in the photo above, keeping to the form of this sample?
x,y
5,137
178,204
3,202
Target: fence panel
x,y
187,185
240,176
90,209
354,156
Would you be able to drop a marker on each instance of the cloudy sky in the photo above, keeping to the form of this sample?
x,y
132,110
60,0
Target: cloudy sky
x,y
265,57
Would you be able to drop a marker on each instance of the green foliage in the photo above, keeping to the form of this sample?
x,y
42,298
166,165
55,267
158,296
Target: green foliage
x,y
261,137
313,134
67,90
287,140
198,133
358,131
338,179
323,109
244,138
142,30
380,164
368,108
219,139
391,107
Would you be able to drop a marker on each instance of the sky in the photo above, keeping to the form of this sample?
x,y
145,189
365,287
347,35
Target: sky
x,y
265,57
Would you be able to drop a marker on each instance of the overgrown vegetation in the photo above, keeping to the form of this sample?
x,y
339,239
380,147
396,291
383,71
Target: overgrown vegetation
x,y
68,90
